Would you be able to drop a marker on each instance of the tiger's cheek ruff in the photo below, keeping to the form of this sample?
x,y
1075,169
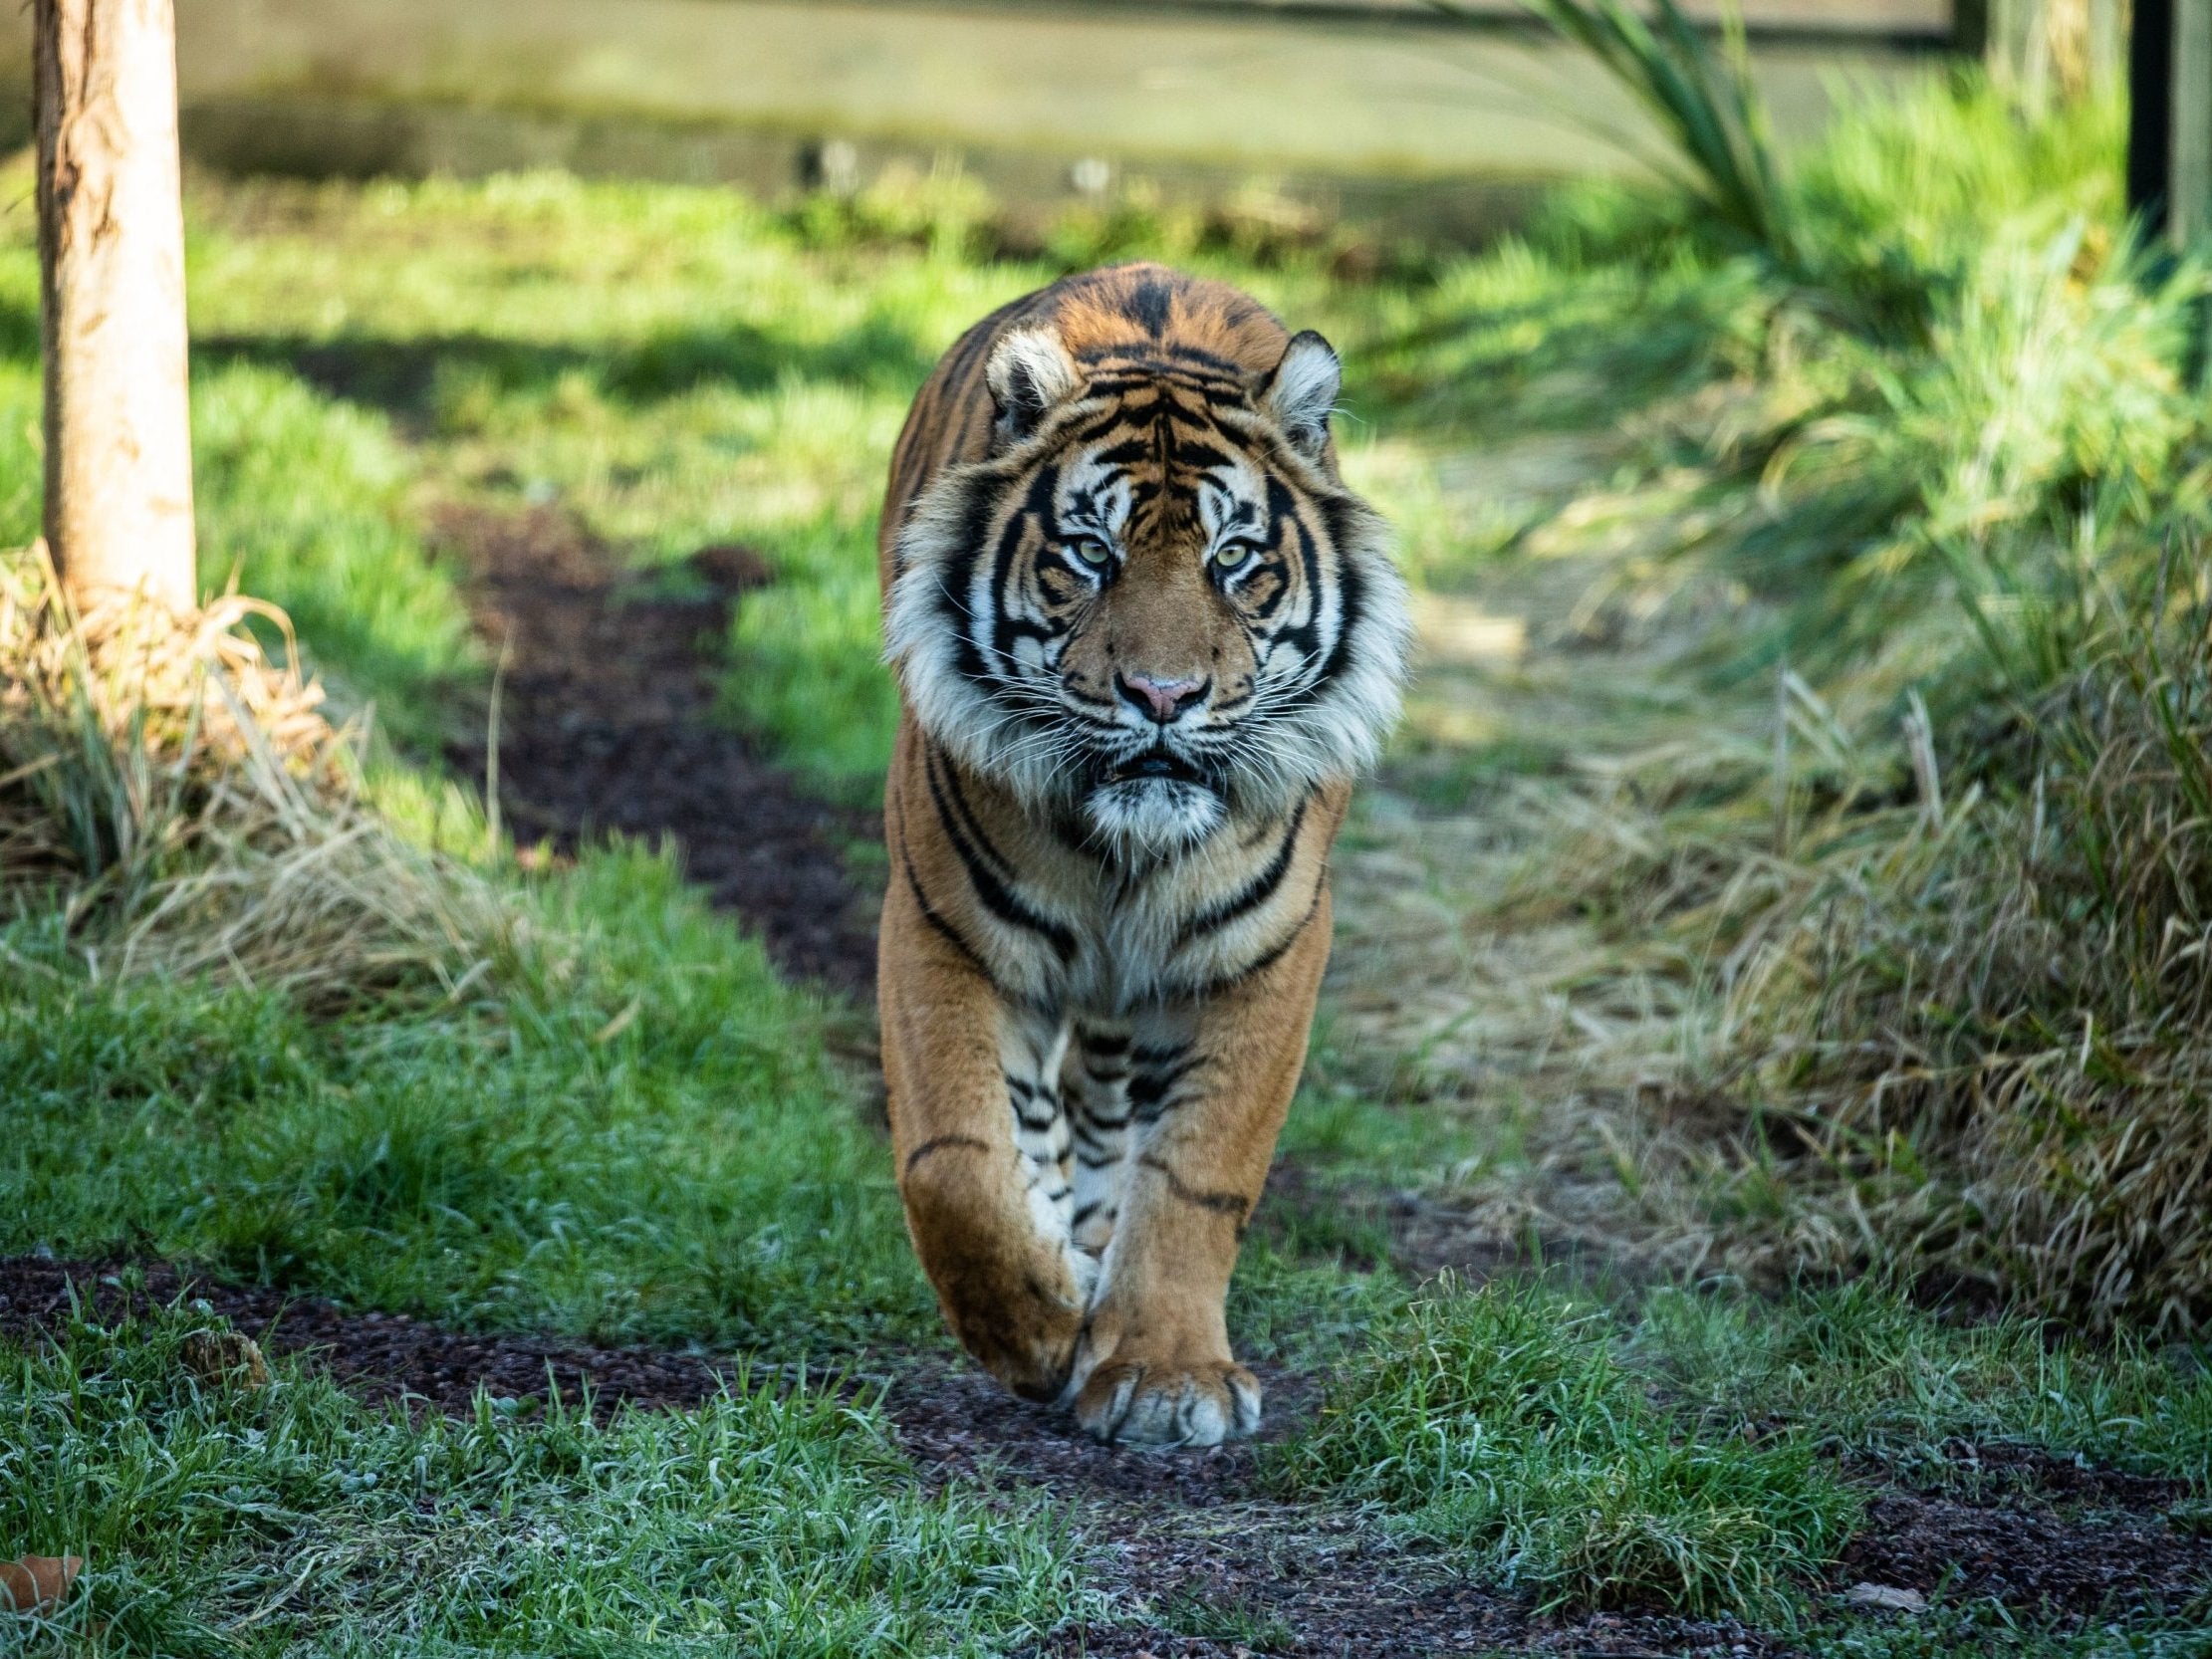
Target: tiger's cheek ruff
x,y
1337,706
940,634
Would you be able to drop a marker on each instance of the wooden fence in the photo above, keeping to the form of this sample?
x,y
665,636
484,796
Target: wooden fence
x,y
1382,108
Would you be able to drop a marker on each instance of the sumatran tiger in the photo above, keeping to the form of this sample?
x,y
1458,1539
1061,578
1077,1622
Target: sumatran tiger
x,y
1144,638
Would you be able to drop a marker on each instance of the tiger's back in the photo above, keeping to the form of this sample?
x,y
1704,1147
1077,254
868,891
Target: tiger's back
x,y
1144,639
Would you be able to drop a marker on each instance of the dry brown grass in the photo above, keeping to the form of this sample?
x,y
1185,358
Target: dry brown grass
x,y
1900,1022
178,797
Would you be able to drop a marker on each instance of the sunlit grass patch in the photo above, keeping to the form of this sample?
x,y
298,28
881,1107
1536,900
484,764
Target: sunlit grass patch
x,y
630,1129
806,662
1500,1421
774,1519
303,501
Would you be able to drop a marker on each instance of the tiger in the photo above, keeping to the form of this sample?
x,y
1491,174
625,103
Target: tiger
x,y
1144,639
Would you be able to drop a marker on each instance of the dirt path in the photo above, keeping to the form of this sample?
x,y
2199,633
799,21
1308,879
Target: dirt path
x,y
607,724
1225,1568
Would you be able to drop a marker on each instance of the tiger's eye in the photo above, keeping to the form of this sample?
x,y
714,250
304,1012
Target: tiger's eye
x,y
1232,554
1090,550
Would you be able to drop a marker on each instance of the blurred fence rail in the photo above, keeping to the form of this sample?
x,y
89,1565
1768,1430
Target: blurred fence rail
x,y
1383,110
1903,18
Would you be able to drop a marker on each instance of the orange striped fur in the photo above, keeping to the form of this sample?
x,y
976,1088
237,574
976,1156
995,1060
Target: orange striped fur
x,y
1144,640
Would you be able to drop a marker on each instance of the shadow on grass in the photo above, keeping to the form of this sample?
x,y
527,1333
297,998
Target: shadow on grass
x,y
408,378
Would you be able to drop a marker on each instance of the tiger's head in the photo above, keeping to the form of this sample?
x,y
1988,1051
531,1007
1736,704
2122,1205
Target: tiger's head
x,y
1153,602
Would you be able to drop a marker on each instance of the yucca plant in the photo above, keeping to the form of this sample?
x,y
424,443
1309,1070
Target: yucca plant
x,y
1705,106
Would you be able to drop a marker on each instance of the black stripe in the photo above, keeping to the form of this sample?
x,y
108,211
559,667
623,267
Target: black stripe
x,y
1090,1141
1147,1086
1220,1203
1229,982
945,929
940,1143
935,765
994,893
1149,304
1255,893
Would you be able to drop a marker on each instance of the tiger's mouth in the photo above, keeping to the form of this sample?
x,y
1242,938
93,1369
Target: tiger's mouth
x,y
1156,800
1156,765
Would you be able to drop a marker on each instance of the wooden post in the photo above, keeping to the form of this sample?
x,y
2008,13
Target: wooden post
x,y
119,456
2189,216
2169,140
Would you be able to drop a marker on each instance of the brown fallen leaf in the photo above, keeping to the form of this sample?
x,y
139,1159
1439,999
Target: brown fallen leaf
x,y
225,1358
37,1583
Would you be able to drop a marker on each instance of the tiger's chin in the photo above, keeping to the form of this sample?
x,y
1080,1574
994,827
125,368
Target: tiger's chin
x,y
1154,814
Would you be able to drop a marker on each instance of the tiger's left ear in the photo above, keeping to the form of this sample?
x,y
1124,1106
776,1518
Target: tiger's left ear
x,y
1028,372
1301,392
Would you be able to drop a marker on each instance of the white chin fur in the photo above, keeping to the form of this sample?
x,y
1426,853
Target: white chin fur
x,y
1154,814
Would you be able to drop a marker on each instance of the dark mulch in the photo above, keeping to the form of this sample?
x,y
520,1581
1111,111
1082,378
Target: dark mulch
x,y
2075,1561
607,722
378,1357
1250,1580
960,1422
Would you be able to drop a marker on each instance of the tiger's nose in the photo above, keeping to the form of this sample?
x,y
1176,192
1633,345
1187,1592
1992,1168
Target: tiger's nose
x,y
1163,700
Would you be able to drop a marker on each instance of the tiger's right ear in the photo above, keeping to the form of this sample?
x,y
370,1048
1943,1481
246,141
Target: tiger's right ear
x,y
1030,372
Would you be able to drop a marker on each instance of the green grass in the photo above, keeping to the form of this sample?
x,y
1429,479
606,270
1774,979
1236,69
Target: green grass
x,y
635,1134
772,1519
1501,1422
625,1127
1869,1373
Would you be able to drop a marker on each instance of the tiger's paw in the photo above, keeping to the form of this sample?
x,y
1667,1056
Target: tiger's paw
x,y
1166,1405
1030,1347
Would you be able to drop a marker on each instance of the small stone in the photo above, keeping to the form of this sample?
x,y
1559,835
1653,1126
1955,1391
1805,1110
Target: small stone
x,y
1887,1598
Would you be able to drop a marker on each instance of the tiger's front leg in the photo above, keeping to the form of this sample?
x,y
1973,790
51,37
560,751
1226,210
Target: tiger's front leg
x,y
982,1154
1209,1089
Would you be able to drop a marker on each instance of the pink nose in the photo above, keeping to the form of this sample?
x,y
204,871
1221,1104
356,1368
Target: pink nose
x,y
1163,700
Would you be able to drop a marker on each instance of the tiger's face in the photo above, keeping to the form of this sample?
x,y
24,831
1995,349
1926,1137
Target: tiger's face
x,y
1153,603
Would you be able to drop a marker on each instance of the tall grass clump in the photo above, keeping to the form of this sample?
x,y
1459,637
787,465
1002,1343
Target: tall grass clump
x,y
1992,1022
1500,1421
182,800
1949,934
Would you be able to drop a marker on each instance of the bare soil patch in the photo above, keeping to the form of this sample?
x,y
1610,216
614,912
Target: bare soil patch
x,y
607,724
378,1357
2068,1560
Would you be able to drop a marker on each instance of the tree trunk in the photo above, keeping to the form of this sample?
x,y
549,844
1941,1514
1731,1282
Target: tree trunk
x,y
119,456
